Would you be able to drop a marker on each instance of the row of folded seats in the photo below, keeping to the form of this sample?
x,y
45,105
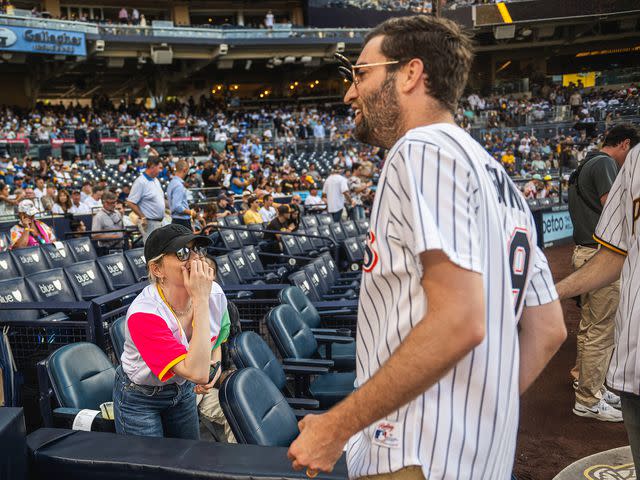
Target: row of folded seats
x,y
71,281
263,399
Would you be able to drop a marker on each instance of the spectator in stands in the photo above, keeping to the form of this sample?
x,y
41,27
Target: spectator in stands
x,y
49,198
239,181
8,202
108,218
313,173
313,200
123,16
40,190
252,215
207,223
135,16
359,190
30,232
225,206
177,196
268,211
147,198
175,327
336,188
94,140
268,20
80,138
63,204
77,227
86,191
280,223
211,175
77,206
95,200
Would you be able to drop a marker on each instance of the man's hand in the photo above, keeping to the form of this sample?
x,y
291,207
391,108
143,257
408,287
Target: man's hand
x,y
143,222
319,445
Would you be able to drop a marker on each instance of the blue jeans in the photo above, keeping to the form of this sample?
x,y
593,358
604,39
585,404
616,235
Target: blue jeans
x,y
166,411
81,149
337,216
357,213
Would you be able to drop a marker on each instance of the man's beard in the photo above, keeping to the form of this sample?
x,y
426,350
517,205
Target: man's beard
x,y
381,125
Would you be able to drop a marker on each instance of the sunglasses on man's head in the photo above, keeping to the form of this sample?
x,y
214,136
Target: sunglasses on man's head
x,y
185,253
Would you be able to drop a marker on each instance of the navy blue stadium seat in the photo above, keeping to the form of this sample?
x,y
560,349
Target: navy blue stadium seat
x,y
230,239
350,229
82,249
86,280
249,350
8,267
256,410
295,340
29,260
81,377
117,332
243,268
226,273
137,262
57,254
324,219
115,270
50,286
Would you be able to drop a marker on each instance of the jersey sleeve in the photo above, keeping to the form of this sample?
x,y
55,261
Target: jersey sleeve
x,y
219,316
157,346
437,203
541,288
611,230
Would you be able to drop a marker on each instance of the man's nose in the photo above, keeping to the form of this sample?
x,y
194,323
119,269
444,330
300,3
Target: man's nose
x,y
351,95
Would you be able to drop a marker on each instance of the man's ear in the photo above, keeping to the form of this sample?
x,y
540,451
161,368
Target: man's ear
x,y
413,76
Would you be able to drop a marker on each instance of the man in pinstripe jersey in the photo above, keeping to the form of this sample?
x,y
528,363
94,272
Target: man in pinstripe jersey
x,y
457,313
618,231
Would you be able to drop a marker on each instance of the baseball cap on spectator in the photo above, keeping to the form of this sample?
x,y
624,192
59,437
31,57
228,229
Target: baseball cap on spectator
x,y
170,239
547,177
27,207
537,176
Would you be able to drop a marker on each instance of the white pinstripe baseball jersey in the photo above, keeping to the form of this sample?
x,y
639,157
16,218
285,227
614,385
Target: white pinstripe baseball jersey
x,y
439,189
618,230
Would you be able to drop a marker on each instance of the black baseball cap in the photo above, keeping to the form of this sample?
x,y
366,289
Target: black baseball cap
x,y
170,239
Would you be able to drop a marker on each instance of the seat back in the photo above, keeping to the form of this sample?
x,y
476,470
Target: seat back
x,y
81,376
325,231
118,334
29,260
230,239
82,249
354,250
293,338
309,221
305,242
300,280
245,237
256,233
363,226
297,299
256,410
57,254
240,263
249,350
86,280
338,232
14,290
232,221
226,273
291,245
252,257
324,219
317,282
350,229
8,267
137,262
323,272
115,270
331,265
316,242
50,286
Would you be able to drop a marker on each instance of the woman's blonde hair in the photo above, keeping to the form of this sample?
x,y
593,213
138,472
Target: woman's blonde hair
x,y
156,260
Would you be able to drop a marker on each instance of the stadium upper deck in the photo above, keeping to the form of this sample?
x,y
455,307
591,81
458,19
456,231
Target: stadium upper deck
x,y
189,48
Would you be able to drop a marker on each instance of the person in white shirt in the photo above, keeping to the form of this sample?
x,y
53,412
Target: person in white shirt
x,y
313,200
336,188
146,198
268,211
40,190
77,207
268,20
95,200
85,191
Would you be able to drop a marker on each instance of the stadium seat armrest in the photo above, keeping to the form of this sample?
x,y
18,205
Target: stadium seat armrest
x,y
333,339
339,332
63,418
305,370
300,413
304,403
308,362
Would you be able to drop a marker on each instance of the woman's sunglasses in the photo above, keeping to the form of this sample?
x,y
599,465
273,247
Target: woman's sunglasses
x,y
185,253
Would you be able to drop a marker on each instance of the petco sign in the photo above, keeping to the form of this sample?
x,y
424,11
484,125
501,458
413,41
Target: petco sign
x,y
42,40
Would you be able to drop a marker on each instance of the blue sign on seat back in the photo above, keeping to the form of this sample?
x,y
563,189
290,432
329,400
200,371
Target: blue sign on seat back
x,y
50,286
8,268
86,280
29,260
81,249
57,254
116,271
137,262
15,290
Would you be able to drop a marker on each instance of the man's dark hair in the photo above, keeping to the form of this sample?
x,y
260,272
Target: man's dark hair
x,y
153,161
620,133
251,200
283,209
445,50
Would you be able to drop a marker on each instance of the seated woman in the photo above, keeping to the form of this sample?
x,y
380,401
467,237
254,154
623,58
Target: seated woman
x,y
252,215
30,232
174,330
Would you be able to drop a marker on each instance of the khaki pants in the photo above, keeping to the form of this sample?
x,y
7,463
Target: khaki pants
x,y
209,407
595,334
407,473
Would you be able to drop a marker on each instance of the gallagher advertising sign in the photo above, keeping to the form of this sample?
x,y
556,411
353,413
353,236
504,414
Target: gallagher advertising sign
x,y
42,40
